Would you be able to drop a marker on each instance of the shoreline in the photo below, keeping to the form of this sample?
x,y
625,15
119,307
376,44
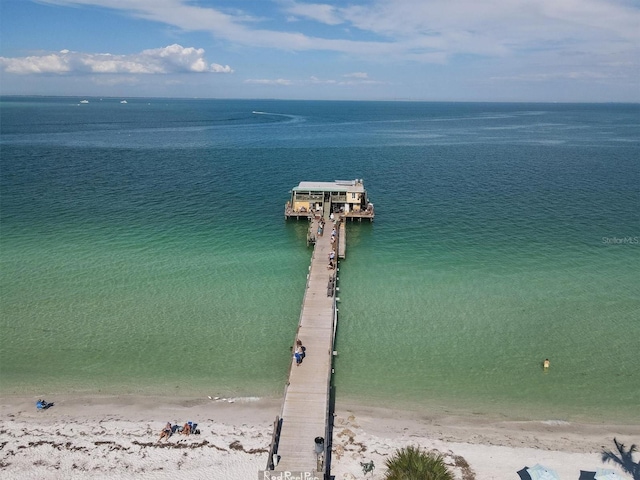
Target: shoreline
x,y
117,437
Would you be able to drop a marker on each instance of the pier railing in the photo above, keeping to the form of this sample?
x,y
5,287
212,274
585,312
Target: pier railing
x,y
368,214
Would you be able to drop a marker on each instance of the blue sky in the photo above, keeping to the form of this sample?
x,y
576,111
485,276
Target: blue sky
x,y
440,50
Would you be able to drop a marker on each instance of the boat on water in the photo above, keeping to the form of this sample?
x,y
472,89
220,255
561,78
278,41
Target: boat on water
x,y
84,101
340,198
123,101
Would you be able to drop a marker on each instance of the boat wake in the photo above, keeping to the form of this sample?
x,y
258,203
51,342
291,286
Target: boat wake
x,y
255,112
292,118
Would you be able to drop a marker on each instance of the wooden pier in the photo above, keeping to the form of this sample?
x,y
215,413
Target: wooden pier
x,y
301,442
302,434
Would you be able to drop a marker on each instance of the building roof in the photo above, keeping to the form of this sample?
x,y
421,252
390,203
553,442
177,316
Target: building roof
x,y
336,186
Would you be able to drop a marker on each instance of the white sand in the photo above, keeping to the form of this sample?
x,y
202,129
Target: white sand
x,y
117,437
492,449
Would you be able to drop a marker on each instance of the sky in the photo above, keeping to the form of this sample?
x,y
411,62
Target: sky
x,y
421,50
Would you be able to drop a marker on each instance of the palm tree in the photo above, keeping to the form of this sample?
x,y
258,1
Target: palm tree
x,y
411,463
624,458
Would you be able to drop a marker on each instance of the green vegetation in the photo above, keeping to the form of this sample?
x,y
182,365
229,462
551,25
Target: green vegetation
x,y
411,463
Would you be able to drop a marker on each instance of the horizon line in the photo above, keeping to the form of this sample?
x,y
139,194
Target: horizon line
x,y
393,100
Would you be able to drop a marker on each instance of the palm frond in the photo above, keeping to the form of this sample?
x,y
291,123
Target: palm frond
x,y
411,463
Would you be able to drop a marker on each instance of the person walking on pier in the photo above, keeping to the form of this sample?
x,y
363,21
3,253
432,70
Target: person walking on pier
x,y
299,352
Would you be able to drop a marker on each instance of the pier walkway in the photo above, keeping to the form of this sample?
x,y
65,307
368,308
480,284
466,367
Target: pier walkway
x,y
306,403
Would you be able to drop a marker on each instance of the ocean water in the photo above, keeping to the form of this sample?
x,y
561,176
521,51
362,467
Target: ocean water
x,y
144,250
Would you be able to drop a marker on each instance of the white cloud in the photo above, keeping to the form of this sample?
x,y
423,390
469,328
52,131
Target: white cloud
x,y
323,13
513,49
426,31
171,59
356,75
266,81
356,78
216,68
52,63
507,38
318,81
544,77
116,80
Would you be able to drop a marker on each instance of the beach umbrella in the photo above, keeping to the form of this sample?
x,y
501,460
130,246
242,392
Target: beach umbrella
x,y
607,474
538,472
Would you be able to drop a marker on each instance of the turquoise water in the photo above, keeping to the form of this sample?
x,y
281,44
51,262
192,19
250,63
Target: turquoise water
x,y
144,251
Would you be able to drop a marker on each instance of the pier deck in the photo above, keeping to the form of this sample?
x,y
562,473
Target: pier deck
x,y
306,402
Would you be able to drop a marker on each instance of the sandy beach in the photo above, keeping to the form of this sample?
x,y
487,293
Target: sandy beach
x,y
113,437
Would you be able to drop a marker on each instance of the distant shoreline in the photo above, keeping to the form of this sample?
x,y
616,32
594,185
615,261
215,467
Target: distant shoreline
x,y
248,99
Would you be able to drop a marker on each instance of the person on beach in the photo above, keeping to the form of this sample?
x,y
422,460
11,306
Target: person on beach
x,y
186,430
166,432
43,404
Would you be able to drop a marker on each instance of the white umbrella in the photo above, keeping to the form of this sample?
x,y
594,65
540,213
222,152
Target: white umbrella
x,y
606,474
538,472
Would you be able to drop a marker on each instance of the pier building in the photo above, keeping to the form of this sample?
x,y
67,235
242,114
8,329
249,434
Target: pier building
x,y
347,198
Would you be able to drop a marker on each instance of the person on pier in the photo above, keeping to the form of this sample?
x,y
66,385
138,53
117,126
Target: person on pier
x,y
299,352
332,257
